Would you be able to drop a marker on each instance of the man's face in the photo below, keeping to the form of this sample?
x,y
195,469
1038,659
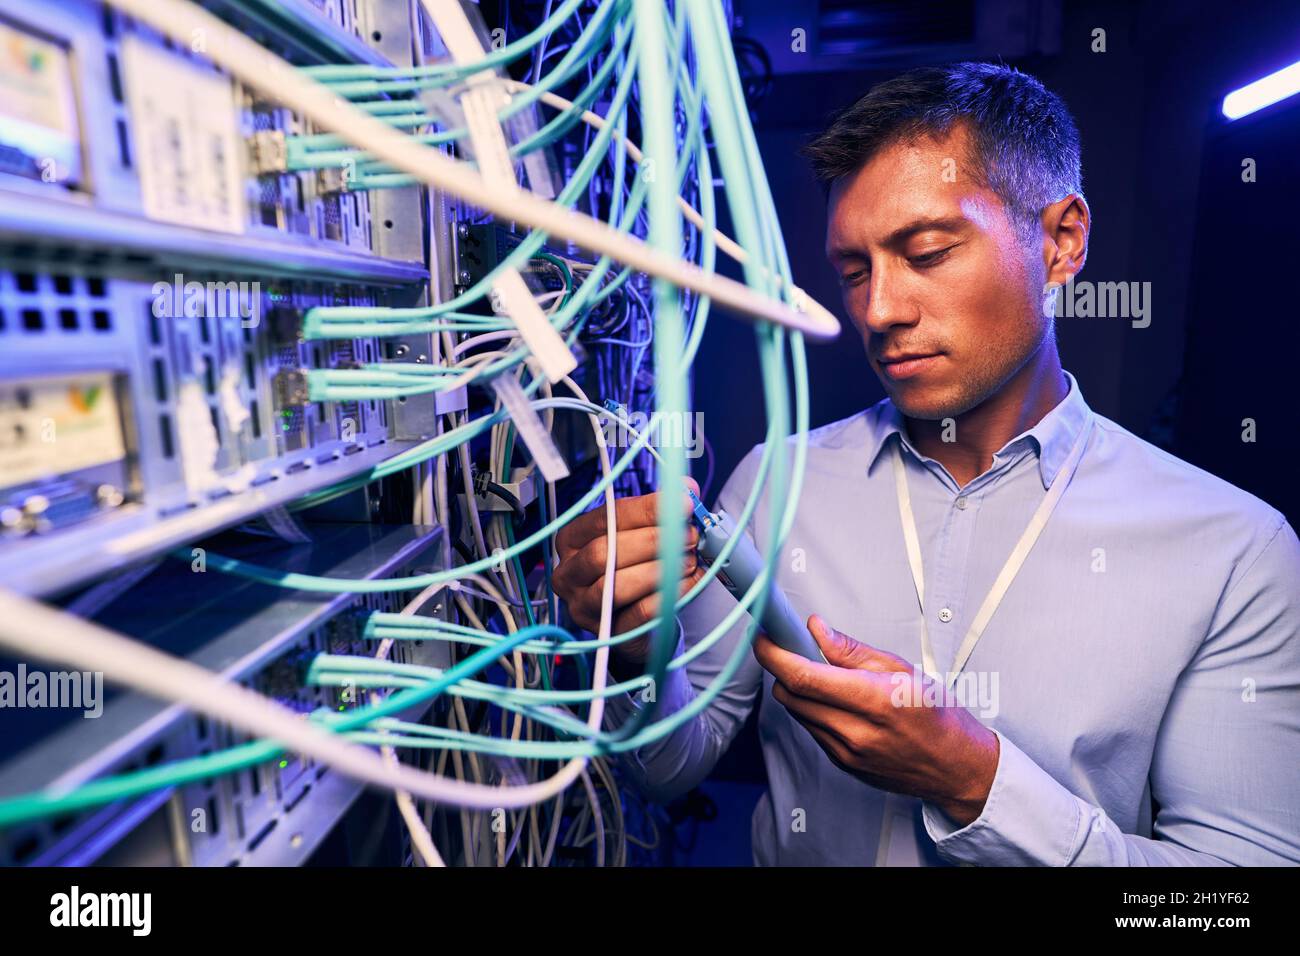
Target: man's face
x,y
946,295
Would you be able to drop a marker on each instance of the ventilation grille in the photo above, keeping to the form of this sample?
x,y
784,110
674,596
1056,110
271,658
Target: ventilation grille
x,y
65,303
240,809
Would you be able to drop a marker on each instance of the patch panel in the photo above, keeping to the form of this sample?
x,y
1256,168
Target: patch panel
x,y
344,14
234,628
146,191
198,435
154,300
308,203
150,130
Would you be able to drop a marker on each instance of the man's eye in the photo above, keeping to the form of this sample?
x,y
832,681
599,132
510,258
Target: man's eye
x,y
930,258
853,278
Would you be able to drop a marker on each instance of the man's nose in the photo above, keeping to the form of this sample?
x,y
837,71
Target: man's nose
x,y
886,302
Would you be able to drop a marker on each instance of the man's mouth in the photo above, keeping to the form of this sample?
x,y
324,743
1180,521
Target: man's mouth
x,y
907,364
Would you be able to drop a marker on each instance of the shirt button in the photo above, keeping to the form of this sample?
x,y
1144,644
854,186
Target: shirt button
x,y
945,615
961,503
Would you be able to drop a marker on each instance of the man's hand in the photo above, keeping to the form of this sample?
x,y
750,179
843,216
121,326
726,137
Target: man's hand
x,y
579,578
941,754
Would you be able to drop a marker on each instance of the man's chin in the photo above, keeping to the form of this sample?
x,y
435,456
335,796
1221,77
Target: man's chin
x,y
929,402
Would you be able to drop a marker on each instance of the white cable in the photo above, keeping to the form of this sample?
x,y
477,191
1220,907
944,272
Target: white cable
x,y
30,628
598,817
724,242
262,70
479,105
482,339
467,482
421,840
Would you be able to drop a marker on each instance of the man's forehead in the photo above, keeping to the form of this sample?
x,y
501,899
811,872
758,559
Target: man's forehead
x,y
856,222
917,180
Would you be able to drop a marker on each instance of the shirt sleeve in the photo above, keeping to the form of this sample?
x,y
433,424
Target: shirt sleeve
x,y
1225,773
674,764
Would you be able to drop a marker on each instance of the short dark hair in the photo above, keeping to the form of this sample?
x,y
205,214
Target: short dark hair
x,y
1025,142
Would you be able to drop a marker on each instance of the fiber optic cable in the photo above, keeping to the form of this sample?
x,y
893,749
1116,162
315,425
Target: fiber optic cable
x,y
760,244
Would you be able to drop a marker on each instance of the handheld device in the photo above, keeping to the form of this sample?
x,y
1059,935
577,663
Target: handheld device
x,y
778,620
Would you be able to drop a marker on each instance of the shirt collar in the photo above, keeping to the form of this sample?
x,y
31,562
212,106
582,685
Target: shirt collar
x,y
1052,438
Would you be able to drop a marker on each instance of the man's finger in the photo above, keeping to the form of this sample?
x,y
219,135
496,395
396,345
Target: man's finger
x,y
834,747
814,713
638,512
843,651
637,546
837,686
632,584
647,608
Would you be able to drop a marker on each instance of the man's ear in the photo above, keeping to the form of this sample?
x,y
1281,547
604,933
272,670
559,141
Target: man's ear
x,y
1065,238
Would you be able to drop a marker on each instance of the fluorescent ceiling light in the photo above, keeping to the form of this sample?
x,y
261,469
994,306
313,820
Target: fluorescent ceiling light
x,y
1263,92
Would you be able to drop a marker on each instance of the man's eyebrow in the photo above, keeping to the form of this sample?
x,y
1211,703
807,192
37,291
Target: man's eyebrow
x,y
940,223
903,233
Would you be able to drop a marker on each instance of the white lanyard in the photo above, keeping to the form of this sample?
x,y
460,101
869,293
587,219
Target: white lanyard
x,y
1009,570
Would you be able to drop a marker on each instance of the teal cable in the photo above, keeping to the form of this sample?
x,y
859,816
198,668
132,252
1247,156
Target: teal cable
x,y
577,55
491,58
658,146
315,320
108,790
331,149
797,353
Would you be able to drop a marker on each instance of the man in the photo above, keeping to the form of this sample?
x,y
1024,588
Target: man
x,y
1117,630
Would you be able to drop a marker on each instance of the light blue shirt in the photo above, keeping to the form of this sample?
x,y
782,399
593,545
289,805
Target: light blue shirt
x,y
1147,652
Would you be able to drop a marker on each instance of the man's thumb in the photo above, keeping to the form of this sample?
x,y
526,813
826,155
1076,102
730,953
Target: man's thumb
x,y
839,649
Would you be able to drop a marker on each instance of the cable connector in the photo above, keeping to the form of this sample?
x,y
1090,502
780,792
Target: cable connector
x,y
292,387
704,518
514,495
335,179
285,323
268,152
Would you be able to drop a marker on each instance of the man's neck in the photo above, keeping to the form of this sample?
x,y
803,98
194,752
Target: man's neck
x,y
1020,404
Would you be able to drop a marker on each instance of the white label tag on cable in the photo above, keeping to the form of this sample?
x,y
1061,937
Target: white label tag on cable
x,y
537,162
530,428
457,400
512,297
455,30
480,104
